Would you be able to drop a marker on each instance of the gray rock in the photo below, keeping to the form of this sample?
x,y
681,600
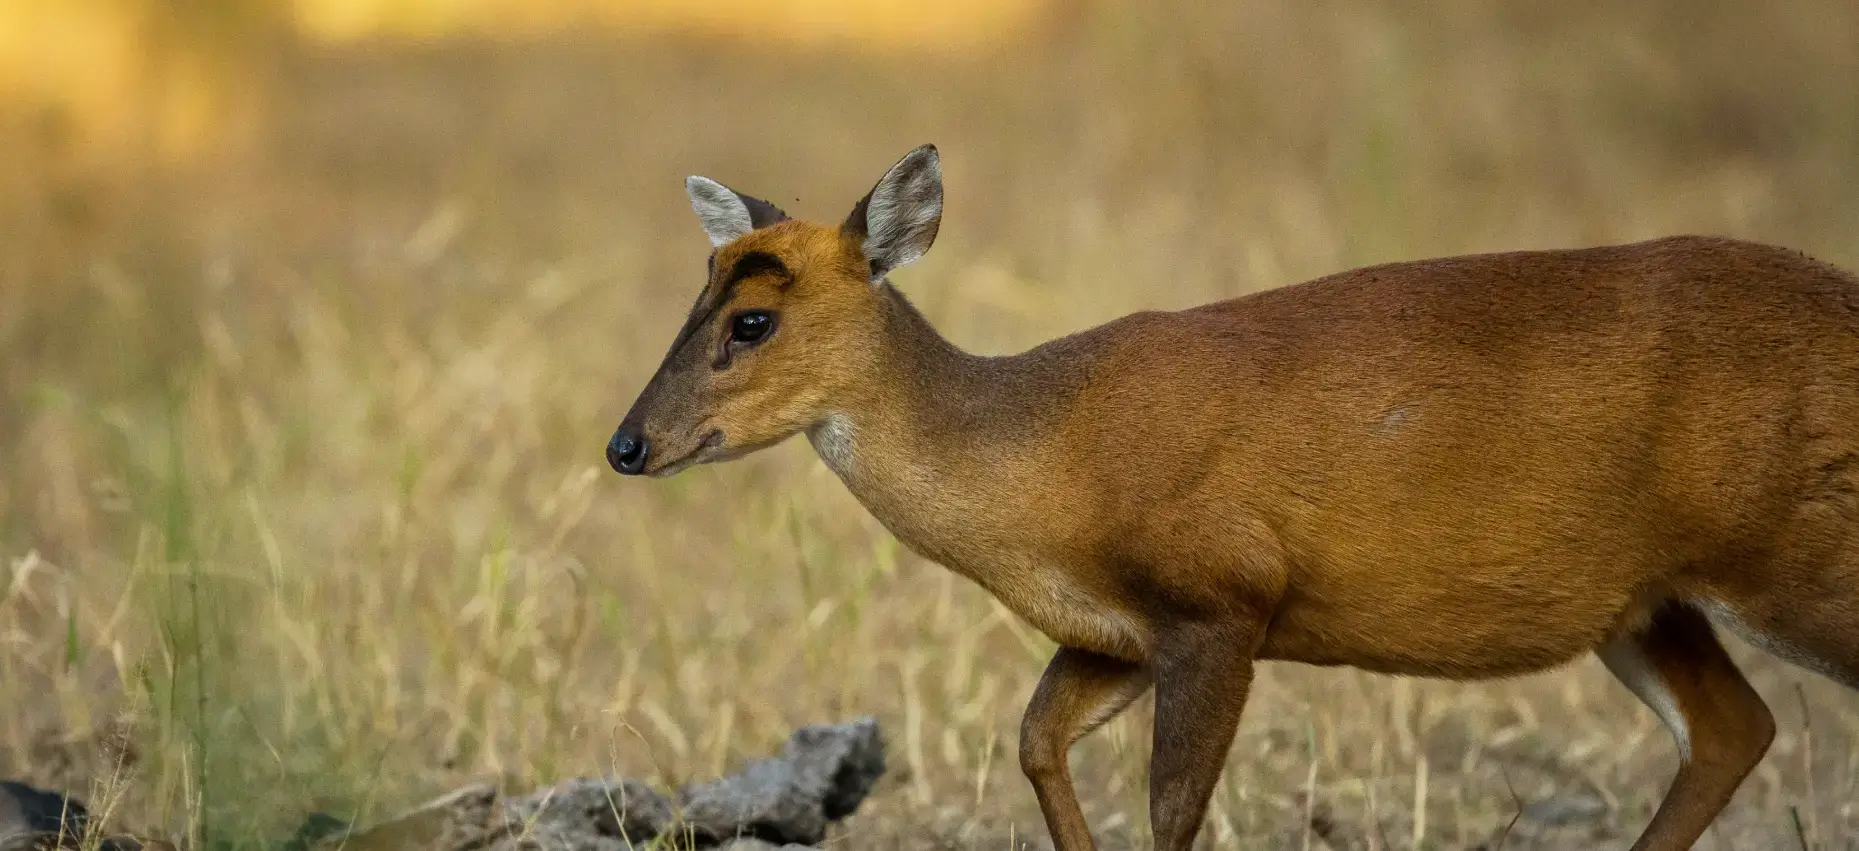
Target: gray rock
x,y
25,810
1564,810
586,815
35,819
822,775
32,842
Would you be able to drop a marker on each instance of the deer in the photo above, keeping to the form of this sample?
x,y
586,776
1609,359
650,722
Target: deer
x,y
1464,468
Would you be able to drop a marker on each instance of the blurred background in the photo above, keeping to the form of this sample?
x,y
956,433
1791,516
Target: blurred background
x,y
315,317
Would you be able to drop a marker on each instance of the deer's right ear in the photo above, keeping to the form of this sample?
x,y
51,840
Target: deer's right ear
x,y
897,220
727,214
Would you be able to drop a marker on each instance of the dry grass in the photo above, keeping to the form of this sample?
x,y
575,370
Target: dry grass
x,y
301,489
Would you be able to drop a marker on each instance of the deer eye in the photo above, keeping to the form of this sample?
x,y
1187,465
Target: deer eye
x,y
751,326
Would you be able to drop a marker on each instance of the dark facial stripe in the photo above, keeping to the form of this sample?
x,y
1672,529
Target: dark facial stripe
x,y
747,266
755,263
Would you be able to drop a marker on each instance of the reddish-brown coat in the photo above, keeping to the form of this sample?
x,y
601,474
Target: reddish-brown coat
x,y
1463,467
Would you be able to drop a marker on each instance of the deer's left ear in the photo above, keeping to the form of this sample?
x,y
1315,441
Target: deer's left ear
x,y
727,214
897,220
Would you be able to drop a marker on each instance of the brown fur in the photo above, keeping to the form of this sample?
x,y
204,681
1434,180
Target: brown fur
x,y
1465,467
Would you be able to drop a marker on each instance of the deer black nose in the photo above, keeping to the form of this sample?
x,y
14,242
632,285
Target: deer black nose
x,y
627,452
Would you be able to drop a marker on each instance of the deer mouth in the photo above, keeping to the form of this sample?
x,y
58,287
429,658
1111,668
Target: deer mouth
x,y
704,451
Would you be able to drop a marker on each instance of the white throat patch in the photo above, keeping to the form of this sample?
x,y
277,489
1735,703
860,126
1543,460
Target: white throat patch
x,y
835,442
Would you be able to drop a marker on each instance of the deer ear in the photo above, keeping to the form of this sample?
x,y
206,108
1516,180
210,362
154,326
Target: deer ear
x,y
727,214
897,220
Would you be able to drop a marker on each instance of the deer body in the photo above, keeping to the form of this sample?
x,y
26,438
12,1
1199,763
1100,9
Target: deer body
x,y
1467,467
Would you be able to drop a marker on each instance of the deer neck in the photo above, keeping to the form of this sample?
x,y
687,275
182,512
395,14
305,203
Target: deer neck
x,y
937,442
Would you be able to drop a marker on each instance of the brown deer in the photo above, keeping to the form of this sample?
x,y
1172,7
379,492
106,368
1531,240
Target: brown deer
x,y
1466,468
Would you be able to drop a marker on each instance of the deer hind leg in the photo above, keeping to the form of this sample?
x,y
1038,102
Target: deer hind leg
x,y
1202,675
1722,727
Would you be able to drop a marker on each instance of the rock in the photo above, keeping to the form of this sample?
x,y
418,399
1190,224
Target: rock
x,y
25,810
822,775
461,819
34,819
1564,810
586,815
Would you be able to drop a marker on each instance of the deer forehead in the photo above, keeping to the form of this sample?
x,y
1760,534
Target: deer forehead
x,y
802,248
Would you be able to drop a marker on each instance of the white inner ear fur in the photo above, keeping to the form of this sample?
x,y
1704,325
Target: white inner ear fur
x,y
724,216
905,211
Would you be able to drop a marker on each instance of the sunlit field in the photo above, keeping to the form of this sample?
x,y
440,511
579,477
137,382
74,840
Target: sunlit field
x,y
315,320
